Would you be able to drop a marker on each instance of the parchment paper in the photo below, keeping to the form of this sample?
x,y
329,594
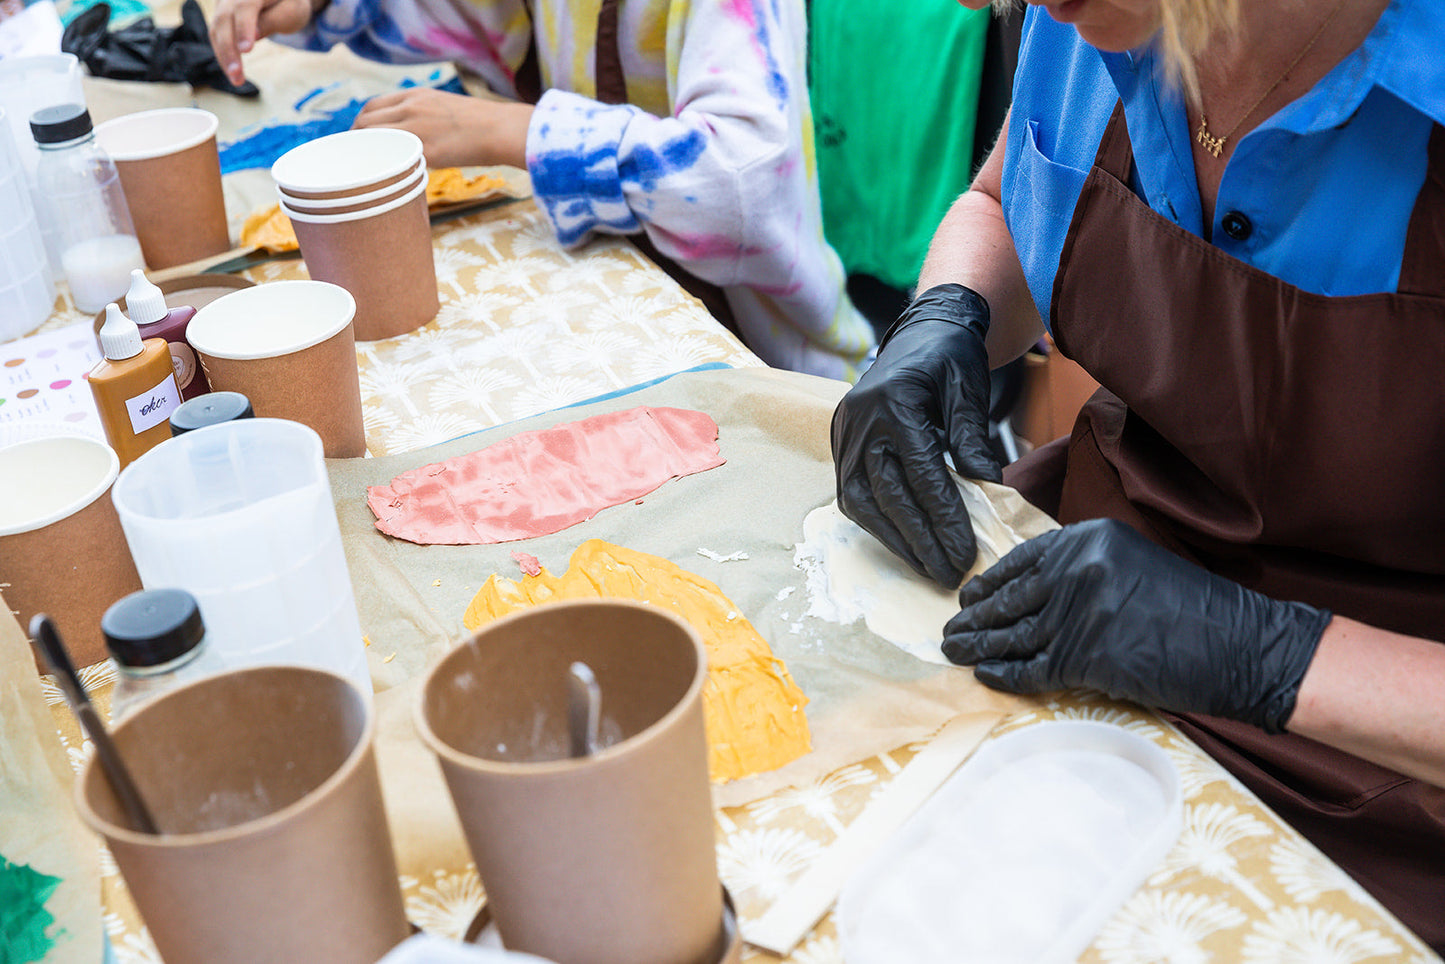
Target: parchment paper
x,y
38,823
866,695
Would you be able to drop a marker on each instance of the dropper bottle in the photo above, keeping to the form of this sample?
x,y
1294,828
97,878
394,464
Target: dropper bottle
x,y
147,306
134,387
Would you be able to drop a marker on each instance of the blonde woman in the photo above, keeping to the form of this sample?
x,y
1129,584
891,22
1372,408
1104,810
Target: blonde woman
x,y
1234,219
684,123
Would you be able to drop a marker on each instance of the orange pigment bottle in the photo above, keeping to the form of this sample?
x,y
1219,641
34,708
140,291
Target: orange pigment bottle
x,y
134,387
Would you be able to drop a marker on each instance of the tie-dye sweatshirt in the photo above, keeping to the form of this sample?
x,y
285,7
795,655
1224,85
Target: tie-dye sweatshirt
x,y
712,156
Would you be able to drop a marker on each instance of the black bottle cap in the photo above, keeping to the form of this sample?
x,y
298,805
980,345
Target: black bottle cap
x,y
209,409
152,626
63,122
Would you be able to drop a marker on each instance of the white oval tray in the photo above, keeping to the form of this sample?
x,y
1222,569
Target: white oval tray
x,y
1022,855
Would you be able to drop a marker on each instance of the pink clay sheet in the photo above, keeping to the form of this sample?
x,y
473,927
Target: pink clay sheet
x,y
541,482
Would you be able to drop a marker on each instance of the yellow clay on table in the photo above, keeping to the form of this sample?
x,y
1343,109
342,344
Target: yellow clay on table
x,y
753,709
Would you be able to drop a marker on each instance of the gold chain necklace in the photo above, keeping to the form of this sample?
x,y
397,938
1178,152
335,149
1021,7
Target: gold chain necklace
x,y
1215,145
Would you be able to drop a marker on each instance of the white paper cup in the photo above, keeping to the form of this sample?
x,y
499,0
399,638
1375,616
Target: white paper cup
x,y
347,163
289,347
62,551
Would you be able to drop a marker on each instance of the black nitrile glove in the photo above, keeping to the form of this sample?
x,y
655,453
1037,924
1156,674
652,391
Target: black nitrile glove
x,y
1097,605
143,51
928,393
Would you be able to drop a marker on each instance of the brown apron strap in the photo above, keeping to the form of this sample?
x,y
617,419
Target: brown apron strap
x,y
612,89
528,79
1420,272
1115,156
611,83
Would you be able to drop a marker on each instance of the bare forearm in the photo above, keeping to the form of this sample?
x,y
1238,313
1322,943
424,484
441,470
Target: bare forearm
x,y
973,247
1378,695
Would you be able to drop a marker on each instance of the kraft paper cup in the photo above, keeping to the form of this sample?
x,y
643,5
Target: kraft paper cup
x,y
382,255
171,174
355,203
290,347
347,163
274,843
62,550
607,859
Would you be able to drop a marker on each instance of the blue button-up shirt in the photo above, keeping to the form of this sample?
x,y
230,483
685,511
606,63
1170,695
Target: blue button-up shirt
x,y
1326,186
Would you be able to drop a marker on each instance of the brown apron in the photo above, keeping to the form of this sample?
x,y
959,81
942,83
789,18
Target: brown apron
x,y
612,89
1290,441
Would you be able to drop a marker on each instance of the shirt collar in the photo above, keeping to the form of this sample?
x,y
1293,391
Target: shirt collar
x,y
1401,55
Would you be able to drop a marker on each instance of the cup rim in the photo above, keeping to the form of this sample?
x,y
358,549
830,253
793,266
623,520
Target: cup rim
x,y
361,215
129,476
450,754
300,204
93,493
297,157
14,65
210,124
260,825
261,294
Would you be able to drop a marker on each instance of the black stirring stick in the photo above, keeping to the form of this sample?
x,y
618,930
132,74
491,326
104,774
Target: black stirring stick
x,y
47,639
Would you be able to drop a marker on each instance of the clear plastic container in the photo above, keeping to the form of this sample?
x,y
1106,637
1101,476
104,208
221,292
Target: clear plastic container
x,y
240,515
84,207
158,641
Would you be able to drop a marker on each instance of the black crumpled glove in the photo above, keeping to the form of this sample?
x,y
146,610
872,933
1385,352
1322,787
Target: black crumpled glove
x,y
1097,605
927,393
142,51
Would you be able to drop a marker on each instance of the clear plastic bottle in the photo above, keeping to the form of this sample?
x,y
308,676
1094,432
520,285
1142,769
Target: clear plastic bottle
x,y
83,206
158,641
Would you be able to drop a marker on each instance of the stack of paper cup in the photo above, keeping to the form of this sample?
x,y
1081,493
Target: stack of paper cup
x,y
27,291
357,201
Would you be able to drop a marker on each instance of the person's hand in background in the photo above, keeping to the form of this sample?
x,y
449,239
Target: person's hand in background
x,y
456,130
238,24
1097,605
926,395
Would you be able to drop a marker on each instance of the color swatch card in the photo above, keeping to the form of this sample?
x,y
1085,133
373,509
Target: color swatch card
x,y
43,390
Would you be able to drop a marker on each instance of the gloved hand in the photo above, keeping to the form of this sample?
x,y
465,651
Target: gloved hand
x,y
927,393
1097,605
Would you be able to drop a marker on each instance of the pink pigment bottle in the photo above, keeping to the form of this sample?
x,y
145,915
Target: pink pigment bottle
x,y
146,305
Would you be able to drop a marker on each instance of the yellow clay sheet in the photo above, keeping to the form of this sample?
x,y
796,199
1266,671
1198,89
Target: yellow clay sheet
x,y
753,709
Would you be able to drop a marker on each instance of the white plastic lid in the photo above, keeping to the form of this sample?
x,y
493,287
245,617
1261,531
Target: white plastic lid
x,y
347,160
119,336
272,319
145,302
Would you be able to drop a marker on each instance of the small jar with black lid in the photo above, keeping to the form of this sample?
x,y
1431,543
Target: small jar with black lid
x,y
211,408
158,641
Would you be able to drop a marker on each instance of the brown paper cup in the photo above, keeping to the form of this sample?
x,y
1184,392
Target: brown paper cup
x,y
608,859
274,843
171,174
289,347
62,550
382,255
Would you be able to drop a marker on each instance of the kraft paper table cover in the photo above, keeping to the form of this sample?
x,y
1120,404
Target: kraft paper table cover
x,y
866,695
